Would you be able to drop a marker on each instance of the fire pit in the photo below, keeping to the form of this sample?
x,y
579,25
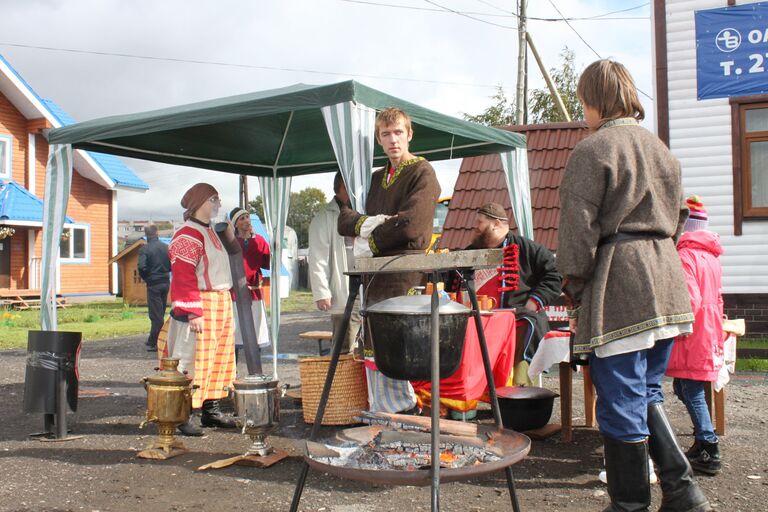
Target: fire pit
x,y
384,455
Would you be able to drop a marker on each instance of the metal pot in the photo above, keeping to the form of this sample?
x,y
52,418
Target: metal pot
x,y
257,410
400,330
525,408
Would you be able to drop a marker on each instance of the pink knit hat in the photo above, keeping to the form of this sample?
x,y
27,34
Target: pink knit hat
x,y
697,219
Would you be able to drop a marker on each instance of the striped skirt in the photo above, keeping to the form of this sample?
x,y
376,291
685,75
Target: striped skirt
x,y
208,357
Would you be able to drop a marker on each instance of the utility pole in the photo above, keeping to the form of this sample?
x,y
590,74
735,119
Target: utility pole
x,y
520,98
244,192
550,84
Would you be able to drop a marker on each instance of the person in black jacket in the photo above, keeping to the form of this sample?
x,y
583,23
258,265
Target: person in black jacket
x,y
155,270
527,280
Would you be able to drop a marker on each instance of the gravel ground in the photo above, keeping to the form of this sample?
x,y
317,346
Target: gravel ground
x,y
100,472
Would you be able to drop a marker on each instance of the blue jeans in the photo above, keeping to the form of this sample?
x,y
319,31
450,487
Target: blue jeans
x,y
626,385
691,393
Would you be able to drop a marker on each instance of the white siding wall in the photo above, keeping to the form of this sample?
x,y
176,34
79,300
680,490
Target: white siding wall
x,y
700,137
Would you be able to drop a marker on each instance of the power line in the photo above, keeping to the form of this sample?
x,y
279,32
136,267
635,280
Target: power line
x,y
238,65
469,16
508,14
588,45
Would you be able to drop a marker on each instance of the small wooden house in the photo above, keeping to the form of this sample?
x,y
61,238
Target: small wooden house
x,y
132,287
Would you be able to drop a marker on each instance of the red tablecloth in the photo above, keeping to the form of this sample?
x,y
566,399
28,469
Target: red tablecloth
x,y
469,382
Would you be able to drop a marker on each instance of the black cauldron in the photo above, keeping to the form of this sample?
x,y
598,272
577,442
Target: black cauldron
x,y
525,408
401,334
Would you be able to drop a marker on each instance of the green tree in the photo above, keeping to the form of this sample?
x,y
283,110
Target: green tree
x,y
542,106
501,113
304,206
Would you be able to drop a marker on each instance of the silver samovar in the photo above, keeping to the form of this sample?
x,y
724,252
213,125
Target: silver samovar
x,y
257,410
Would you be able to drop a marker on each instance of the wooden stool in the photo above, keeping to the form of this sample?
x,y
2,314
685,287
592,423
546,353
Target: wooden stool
x,y
716,405
566,400
320,336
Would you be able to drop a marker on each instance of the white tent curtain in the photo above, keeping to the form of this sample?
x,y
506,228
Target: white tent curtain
x,y
351,129
276,197
516,170
58,182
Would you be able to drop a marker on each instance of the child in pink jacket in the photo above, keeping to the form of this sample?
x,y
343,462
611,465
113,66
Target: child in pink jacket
x,y
696,359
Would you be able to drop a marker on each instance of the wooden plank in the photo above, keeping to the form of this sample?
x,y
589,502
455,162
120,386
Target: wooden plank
x,y
566,418
589,398
483,258
720,412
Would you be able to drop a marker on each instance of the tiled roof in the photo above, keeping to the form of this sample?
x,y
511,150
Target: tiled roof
x,y
112,166
17,204
481,180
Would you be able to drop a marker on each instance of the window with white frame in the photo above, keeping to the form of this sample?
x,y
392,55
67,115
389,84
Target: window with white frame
x,y
75,244
5,156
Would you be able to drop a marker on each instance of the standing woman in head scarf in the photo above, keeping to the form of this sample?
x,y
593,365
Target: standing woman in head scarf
x,y
200,330
255,257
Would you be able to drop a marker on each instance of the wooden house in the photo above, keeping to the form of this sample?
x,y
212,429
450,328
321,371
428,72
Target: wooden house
x,y
90,231
712,111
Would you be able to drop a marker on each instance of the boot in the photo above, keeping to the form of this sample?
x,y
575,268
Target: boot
x,y
191,428
213,417
707,461
694,451
679,492
626,465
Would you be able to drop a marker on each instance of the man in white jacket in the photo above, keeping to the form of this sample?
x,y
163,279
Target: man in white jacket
x,y
330,255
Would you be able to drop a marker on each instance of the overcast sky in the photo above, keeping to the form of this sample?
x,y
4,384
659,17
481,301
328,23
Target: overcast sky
x,y
87,56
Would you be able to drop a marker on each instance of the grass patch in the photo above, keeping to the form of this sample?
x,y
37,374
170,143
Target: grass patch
x,y
105,320
752,343
752,365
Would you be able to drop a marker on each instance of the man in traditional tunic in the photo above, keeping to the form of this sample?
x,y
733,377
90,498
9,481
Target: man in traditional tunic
x,y
527,280
200,330
399,207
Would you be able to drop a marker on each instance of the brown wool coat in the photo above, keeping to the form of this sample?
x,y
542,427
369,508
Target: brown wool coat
x,y
622,179
410,197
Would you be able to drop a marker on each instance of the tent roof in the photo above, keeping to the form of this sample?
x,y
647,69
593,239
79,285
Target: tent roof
x,y
244,134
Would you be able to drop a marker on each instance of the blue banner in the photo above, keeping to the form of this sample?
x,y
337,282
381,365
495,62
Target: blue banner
x,y
732,51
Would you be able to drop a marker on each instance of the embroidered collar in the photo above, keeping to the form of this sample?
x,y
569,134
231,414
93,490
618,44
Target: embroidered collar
x,y
622,121
398,170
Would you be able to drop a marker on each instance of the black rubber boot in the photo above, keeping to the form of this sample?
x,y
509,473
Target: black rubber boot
x,y
213,417
626,465
707,460
679,492
191,428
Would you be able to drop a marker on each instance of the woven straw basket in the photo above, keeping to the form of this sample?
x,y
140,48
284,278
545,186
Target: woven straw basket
x,y
349,391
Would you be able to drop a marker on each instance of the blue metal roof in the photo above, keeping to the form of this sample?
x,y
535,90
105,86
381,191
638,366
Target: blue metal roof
x,y
120,173
19,204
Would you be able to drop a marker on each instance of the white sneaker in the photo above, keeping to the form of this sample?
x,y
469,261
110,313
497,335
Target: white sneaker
x,y
603,476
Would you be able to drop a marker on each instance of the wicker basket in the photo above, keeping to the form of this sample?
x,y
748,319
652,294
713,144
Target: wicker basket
x,y
349,391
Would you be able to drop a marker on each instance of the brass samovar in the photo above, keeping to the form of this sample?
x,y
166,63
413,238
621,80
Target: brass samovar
x,y
169,404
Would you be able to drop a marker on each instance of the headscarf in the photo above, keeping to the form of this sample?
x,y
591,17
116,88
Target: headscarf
x,y
235,214
196,197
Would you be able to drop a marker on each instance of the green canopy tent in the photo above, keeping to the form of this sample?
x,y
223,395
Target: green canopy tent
x,y
273,135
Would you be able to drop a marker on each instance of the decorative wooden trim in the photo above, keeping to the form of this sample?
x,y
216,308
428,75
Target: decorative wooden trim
x,y
38,125
738,217
662,74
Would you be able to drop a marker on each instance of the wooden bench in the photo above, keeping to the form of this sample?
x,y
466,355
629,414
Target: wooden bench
x,y
320,336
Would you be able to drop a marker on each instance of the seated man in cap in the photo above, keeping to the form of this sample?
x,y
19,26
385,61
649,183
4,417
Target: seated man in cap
x,y
527,280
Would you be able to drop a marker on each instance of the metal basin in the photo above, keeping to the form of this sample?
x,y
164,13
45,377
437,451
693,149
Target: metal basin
x,y
509,448
401,334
